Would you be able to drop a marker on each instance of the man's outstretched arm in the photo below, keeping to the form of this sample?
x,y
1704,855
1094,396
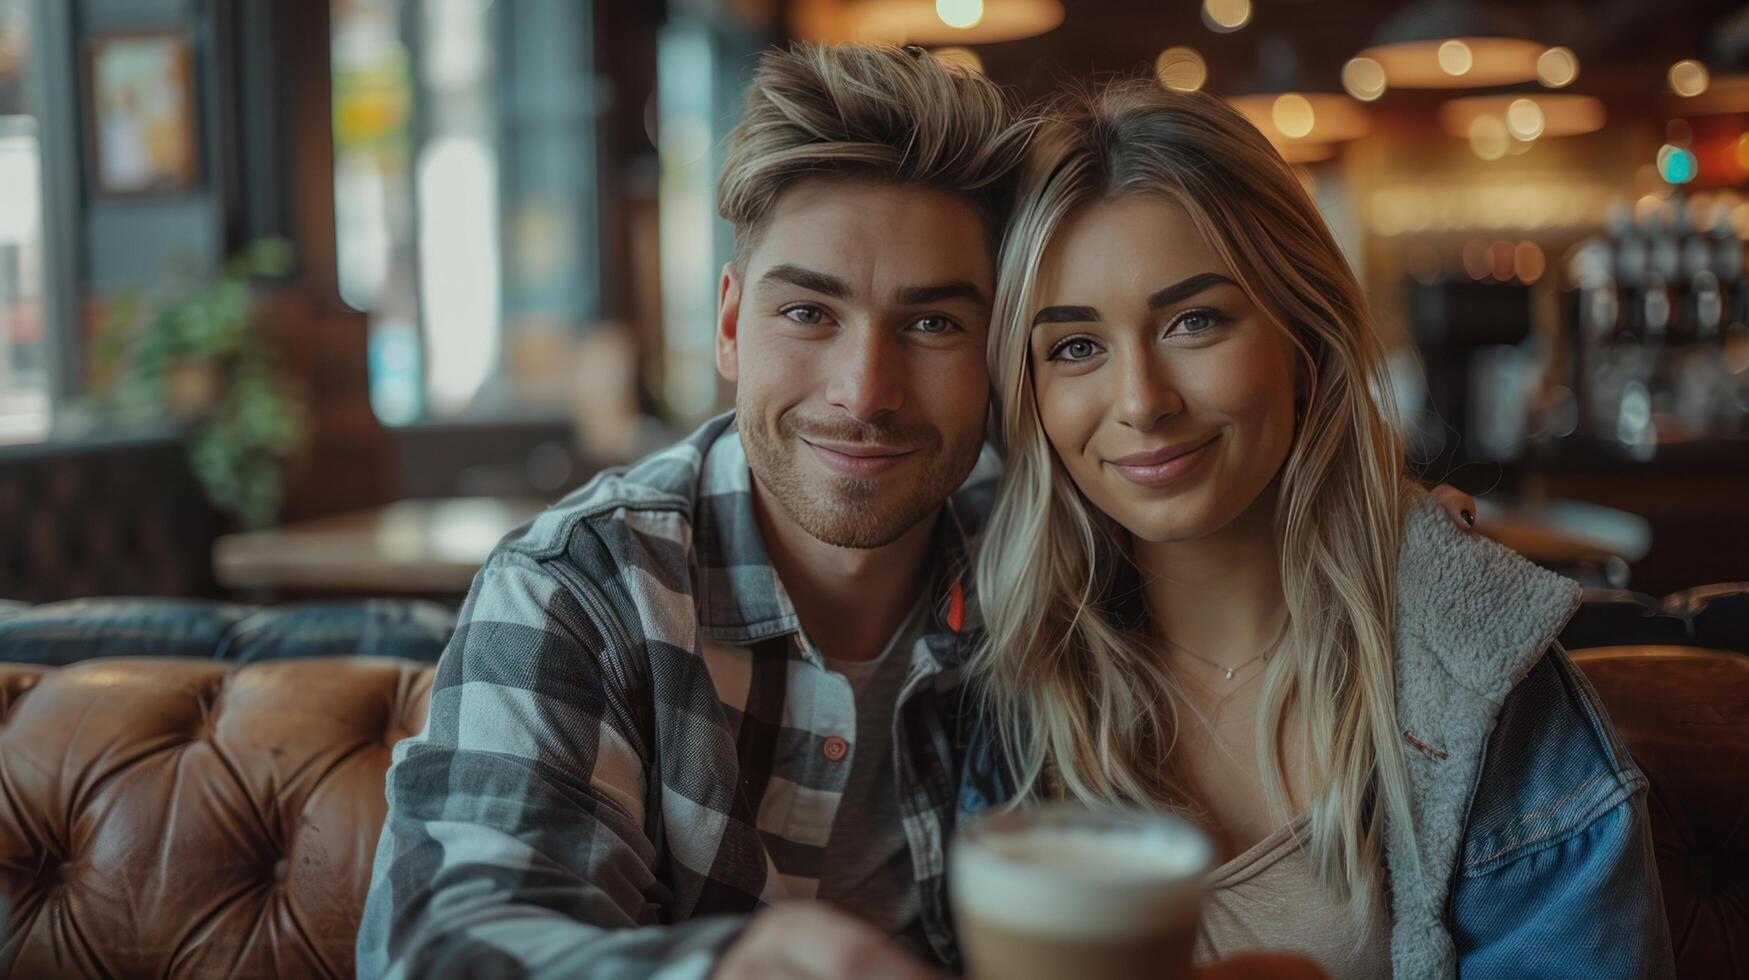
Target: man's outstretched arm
x,y
514,842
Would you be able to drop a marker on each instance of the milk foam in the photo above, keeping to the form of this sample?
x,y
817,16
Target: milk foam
x,y
1081,882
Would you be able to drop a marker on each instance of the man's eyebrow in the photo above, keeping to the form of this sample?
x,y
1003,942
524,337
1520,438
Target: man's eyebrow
x,y
1066,314
937,292
808,279
1188,288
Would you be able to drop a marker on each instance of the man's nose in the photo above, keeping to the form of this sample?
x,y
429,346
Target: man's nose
x,y
868,378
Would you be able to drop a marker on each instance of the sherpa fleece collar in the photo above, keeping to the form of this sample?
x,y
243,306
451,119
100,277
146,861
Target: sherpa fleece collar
x,y
1472,619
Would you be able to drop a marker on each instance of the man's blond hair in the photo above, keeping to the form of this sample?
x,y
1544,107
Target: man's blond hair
x,y
868,112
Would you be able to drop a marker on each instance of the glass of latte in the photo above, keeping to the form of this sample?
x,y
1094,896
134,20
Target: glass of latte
x,y
1063,891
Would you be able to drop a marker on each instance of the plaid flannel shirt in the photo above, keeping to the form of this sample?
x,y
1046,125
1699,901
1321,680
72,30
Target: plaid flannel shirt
x,y
624,752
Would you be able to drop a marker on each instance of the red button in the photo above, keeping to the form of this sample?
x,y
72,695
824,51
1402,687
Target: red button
x,y
835,748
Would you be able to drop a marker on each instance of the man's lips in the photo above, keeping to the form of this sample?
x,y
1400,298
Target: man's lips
x,y
858,459
1159,467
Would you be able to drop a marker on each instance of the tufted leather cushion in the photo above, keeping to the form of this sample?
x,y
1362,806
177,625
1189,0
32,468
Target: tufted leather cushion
x,y
193,818
1684,714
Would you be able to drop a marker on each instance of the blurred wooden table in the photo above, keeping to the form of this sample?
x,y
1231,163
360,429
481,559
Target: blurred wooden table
x,y
410,547
434,547
1566,534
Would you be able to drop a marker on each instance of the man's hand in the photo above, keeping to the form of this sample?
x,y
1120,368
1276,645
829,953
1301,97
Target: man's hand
x,y
1459,506
814,941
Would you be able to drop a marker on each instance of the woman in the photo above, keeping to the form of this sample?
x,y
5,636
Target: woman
x,y
1209,585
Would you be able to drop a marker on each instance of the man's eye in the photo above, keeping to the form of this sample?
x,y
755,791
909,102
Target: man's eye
x,y
934,324
807,316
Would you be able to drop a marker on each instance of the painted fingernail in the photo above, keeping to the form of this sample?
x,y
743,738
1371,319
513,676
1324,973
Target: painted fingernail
x,y
1468,517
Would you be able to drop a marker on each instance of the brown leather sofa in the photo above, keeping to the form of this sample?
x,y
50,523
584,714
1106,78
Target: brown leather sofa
x,y
183,817
194,818
1684,714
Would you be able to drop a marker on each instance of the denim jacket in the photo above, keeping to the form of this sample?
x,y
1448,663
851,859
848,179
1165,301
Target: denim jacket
x,y
1529,854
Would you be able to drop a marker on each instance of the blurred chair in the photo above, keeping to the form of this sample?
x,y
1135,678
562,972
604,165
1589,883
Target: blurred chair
x,y
1715,617
119,517
1615,617
1718,614
1683,713
511,458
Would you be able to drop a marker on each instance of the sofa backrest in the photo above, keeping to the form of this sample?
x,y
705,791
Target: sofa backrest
x,y
66,632
1684,715
192,817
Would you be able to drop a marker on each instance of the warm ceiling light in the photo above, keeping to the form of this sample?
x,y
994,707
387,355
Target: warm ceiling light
x,y
1226,16
1293,116
1364,79
1560,115
1455,58
1723,95
963,57
1181,69
1524,119
1528,262
1467,62
928,22
1293,119
1557,67
1488,137
1688,78
960,14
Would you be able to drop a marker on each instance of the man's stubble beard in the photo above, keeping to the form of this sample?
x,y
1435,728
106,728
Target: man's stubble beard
x,y
847,512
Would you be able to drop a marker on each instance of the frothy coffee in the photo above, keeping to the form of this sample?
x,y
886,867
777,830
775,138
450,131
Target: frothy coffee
x,y
1063,891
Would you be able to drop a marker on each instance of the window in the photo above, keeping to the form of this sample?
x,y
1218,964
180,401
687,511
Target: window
x,y
24,342
464,136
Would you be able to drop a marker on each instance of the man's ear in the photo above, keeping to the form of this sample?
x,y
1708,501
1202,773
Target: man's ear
x,y
728,317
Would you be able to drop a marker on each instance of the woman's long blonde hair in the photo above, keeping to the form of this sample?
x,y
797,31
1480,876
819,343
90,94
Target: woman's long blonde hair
x,y
1068,669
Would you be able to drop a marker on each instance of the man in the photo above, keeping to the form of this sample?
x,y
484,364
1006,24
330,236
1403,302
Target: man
x,y
726,677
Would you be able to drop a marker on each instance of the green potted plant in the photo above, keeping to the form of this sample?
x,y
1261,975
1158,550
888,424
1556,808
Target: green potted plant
x,y
190,352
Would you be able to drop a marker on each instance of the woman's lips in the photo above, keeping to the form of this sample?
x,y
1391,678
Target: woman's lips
x,y
861,462
1159,468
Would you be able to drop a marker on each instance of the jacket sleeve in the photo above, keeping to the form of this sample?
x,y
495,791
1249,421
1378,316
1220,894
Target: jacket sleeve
x,y
1585,906
514,844
1558,875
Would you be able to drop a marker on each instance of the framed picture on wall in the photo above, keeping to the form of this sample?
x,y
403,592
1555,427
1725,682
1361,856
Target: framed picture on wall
x,y
141,112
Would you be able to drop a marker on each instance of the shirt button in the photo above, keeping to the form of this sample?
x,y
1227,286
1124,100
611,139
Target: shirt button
x,y
835,748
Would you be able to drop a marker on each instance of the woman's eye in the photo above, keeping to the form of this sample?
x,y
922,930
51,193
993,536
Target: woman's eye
x,y
934,324
1195,322
807,316
1075,349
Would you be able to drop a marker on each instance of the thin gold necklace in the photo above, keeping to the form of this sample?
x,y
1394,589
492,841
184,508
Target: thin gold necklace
x,y
1230,671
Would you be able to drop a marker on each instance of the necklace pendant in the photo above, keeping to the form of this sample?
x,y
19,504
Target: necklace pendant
x,y
1229,673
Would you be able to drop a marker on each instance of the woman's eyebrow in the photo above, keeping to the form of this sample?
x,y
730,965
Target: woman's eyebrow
x,y
1187,288
1066,314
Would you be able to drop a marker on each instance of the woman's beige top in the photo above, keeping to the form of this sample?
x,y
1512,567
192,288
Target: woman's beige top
x,y
1268,898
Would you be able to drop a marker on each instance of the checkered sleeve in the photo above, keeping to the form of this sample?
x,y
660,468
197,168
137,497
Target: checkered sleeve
x,y
514,844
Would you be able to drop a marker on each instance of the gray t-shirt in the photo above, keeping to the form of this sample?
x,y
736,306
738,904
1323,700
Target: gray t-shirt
x,y
867,869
